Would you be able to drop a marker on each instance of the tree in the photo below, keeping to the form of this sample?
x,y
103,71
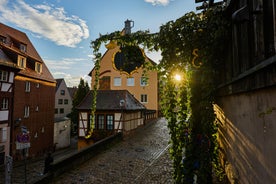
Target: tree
x,y
83,89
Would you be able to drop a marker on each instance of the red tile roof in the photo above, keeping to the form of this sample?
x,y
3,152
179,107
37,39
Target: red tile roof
x,y
12,36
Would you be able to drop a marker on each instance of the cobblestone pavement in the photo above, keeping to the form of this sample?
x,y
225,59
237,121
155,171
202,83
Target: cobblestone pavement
x,y
142,157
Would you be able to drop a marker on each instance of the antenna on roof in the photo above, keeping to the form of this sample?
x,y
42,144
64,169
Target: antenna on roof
x,y
128,25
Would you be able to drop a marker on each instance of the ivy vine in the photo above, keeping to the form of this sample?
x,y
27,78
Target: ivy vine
x,y
192,46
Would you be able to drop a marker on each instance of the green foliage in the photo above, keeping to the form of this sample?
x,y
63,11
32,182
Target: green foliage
x,y
81,92
192,46
196,42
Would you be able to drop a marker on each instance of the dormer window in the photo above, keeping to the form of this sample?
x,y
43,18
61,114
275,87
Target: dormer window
x,y
23,47
21,62
3,39
38,67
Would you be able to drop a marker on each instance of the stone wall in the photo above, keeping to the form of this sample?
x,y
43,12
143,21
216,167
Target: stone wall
x,y
79,157
247,135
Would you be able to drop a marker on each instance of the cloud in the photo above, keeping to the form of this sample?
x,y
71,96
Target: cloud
x,y
45,21
71,70
158,2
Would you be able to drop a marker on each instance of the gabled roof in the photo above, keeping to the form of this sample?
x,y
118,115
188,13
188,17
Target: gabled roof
x,y
72,91
58,83
146,58
110,100
19,36
31,54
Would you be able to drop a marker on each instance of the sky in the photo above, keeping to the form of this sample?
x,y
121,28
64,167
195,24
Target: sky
x,y
61,30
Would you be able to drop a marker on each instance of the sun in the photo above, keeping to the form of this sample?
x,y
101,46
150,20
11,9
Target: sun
x,y
177,77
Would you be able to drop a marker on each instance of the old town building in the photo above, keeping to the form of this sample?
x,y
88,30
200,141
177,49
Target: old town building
x,y
32,116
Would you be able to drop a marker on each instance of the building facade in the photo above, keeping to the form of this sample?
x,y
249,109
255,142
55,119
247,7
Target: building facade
x,y
63,107
116,111
32,119
8,71
113,78
246,97
63,100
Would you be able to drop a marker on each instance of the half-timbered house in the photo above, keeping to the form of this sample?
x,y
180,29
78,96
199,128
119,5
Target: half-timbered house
x,y
8,71
33,95
116,111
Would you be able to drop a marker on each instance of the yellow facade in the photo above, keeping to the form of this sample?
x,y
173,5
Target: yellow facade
x,y
150,90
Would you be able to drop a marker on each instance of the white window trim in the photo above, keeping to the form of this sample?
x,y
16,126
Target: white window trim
x,y
26,111
117,81
5,104
4,76
128,81
27,86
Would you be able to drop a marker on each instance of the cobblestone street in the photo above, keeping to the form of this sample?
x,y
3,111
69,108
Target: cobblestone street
x,y
142,157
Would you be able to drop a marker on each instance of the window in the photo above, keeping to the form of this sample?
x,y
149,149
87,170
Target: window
x,y
143,81
2,39
60,101
61,111
56,111
144,98
27,86
5,103
21,62
23,47
130,81
62,92
65,101
117,81
26,111
38,67
100,122
3,75
109,122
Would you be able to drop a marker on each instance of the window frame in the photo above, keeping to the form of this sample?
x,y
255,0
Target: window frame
x,y
23,47
21,61
144,98
60,101
61,111
5,104
38,67
108,125
26,111
62,92
27,86
117,83
143,81
4,75
130,82
100,122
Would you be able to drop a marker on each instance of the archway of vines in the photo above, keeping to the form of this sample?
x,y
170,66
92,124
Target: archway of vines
x,y
192,47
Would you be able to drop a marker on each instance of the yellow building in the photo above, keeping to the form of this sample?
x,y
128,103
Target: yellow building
x,y
114,78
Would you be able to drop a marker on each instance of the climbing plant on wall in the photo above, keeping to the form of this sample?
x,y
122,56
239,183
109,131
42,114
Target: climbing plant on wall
x,y
197,43
193,47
